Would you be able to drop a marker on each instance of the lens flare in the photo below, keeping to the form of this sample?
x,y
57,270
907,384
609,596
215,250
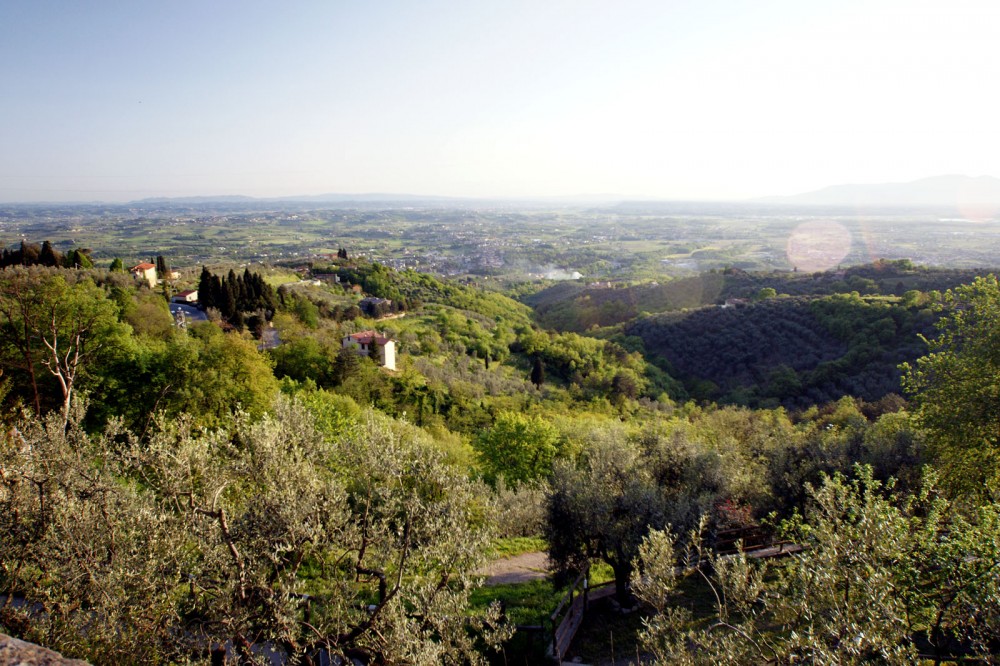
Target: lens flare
x,y
976,201
818,245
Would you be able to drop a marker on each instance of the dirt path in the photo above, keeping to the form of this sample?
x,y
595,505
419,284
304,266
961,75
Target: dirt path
x,y
517,569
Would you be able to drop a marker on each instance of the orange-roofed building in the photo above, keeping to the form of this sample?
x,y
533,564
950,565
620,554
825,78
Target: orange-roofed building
x,y
145,272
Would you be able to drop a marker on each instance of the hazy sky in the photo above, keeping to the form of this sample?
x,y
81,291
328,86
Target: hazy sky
x,y
680,100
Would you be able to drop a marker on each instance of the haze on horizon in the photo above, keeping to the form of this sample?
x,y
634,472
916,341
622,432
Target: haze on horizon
x,y
647,98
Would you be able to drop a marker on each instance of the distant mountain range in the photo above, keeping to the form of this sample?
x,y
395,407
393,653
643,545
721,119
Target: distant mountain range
x,y
312,198
955,192
370,199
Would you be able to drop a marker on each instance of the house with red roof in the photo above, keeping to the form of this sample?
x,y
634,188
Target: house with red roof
x,y
145,272
370,343
188,296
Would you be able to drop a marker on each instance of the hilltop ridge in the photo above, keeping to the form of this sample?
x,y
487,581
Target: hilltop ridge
x,y
938,191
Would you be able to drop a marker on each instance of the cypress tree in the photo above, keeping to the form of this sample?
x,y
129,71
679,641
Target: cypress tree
x,y
218,292
538,373
29,253
48,256
230,296
206,295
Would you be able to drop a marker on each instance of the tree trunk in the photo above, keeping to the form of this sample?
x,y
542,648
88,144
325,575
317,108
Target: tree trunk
x,y
622,574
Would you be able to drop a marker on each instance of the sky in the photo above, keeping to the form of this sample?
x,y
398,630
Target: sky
x,y
698,100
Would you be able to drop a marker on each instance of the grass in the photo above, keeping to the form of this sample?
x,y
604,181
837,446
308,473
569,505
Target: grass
x,y
511,546
278,279
524,603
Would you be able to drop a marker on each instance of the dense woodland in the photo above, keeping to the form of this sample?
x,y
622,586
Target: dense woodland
x,y
167,489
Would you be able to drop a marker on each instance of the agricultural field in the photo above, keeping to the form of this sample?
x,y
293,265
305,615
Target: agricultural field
x,y
627,242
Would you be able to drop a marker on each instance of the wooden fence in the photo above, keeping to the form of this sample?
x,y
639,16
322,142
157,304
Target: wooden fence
x,y
569,614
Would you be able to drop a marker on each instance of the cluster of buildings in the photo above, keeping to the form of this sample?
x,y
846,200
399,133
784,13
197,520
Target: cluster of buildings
x,y
365,343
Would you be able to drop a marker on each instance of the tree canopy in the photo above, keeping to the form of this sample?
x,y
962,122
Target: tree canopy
x,y
956,388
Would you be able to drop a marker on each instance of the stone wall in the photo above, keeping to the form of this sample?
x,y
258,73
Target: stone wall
x,y
14,652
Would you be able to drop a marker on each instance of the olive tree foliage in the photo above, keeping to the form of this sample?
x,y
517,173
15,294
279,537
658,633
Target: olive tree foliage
x,y
267,533
956,388
877,574
602,507
89,563
519,510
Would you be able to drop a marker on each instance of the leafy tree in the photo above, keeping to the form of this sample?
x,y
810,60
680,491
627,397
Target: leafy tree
x,y
117,265
876,575
305,310
220,372
956,390
351,544
517,447
601,508
78,258
766,293
53,329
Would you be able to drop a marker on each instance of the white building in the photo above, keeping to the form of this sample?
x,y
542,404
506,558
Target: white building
x,y
367,342
145,272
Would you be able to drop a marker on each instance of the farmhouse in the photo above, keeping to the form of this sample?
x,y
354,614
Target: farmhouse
x,y
368,342
375,307
187,296
145,272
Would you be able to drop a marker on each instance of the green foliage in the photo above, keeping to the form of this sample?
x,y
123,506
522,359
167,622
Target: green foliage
x,y
957,390
78,258
517,447
223,371
601,508
876,575
52,329
766,293
206,373
219,536
794,351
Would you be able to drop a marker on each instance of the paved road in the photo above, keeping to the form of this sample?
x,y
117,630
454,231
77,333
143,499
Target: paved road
x,y
191,313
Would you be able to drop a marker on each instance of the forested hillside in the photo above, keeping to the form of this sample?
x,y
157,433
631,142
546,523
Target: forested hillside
x,y
794,351
169,486
576,306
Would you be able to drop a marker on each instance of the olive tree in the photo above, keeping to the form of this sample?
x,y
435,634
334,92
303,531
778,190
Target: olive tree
x,y
266,534
877,573
90,563
602,507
